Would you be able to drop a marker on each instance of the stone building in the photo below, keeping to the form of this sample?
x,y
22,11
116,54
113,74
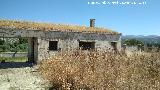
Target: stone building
x,y
46,39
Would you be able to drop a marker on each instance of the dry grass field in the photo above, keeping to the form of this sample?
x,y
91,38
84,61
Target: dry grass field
x,y
94,70
87,70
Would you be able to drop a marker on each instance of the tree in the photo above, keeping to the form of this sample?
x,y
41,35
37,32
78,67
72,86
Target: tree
x,y
20,45
22,40
1,41
133,42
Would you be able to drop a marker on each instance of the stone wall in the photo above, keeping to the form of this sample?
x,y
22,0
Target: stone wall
x,y
38,41
13,54
67,44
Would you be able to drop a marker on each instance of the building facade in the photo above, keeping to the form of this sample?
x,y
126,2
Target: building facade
x,y
46,40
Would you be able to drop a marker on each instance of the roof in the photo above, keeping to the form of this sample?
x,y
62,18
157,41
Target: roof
x,y
24,25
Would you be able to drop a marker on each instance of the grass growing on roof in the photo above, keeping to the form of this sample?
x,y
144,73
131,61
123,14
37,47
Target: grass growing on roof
x,y
24,25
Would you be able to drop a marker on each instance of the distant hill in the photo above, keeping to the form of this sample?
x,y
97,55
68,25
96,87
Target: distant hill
x,y
145,39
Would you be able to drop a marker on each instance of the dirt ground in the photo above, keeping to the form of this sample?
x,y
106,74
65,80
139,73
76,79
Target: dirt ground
x,y
24,78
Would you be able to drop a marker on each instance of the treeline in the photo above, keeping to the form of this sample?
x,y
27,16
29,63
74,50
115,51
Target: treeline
x,y
145,46
20,45
134,42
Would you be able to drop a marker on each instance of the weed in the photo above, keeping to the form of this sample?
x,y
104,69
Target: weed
x,y
102,70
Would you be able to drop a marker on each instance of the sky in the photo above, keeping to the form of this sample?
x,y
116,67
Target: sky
x,y
128,19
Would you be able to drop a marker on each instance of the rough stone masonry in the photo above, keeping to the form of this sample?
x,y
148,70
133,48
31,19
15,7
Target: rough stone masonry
x,y
46,39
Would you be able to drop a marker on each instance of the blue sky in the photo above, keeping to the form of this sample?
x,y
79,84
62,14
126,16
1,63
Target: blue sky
x,y
127,19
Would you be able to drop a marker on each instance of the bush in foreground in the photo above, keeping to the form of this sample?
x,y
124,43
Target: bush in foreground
x,y
87,70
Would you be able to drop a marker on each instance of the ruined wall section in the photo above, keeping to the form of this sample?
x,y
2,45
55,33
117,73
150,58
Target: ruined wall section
x,y
58,35
66,40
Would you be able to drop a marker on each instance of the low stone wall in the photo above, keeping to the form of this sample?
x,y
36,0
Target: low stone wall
x,y
13,54
132,48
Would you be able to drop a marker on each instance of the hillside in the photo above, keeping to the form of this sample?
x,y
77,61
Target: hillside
x,y
145,39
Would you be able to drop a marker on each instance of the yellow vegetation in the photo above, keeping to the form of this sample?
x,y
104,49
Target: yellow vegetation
x,y
81,70
24,25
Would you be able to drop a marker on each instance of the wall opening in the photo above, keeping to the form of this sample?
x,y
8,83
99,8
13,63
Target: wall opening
x,y
86,45
13,49
53,45
114,46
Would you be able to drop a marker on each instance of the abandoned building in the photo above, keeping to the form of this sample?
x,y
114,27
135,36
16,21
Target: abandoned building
x,y
46,39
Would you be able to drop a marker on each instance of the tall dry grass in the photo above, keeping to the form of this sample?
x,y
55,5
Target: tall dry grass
x,y
24,25
94,70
